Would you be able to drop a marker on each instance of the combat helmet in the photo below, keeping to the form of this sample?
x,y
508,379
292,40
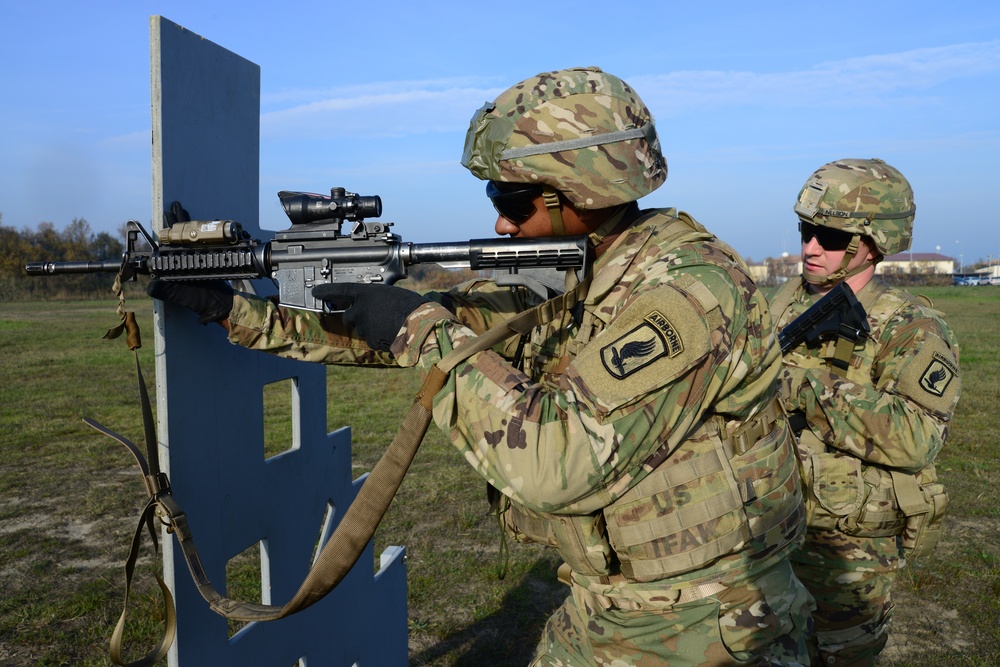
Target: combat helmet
x,y
581,132
861,197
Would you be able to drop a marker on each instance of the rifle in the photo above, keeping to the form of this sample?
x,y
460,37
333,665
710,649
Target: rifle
x,y
314,252
838,315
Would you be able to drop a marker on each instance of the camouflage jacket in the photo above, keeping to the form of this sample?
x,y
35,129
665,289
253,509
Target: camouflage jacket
x,y
671,352
888,413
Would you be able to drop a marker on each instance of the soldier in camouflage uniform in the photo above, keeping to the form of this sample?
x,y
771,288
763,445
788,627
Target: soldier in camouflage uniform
x,y
868,435
639,432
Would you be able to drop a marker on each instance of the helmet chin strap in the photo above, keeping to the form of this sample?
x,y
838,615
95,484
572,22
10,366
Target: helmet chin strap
x,y
842,273
551,198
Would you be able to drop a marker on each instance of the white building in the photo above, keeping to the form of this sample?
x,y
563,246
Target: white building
x,y
778,269
917,262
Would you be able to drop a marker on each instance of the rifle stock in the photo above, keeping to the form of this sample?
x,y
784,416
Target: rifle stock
x,y
838,314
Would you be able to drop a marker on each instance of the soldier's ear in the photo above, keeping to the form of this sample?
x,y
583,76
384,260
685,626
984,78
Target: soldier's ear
x,y
870,249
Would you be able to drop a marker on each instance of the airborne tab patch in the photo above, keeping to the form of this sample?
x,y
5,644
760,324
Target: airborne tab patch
x,y
654,338
938,375
660,336
931,377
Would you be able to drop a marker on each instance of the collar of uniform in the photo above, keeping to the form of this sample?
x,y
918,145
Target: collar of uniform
x,y
870,292
596,237
612,264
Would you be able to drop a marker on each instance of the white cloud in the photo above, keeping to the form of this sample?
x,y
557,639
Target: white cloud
x,y
394,108
127,142
405,108
844,82
368,89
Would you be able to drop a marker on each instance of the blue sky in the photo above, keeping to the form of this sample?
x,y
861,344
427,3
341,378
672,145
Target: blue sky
x,y
749,99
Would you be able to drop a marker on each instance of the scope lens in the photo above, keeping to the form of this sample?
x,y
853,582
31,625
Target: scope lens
x,y
369,207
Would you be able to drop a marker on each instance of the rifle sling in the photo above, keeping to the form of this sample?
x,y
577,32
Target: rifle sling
x,y
361,518
156,486
842,352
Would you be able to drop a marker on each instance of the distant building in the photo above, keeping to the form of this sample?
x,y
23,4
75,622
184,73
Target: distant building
x,y
758,272
917,262
992,271
776,270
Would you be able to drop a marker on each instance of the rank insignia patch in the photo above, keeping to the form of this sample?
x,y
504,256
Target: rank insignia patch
x,y
938,375
654,338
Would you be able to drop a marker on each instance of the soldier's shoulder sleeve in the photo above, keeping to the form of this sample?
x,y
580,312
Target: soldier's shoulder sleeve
x,y
923,357
654,341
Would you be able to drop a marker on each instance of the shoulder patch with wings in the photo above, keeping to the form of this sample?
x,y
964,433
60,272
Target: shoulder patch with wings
x,y
938,375
653,338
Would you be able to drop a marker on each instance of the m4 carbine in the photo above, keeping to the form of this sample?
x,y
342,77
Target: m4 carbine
x,y
313,251
838,315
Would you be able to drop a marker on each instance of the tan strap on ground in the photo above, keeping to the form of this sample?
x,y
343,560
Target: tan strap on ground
x,y
362,517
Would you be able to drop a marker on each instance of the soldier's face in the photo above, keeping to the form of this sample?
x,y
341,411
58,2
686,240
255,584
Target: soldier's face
x,y
824,262
539,223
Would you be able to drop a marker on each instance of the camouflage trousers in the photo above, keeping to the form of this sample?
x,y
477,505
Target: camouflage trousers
x,y
764,621
850,579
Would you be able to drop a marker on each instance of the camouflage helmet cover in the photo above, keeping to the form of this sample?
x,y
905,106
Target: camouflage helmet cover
x,y
581,131
865,197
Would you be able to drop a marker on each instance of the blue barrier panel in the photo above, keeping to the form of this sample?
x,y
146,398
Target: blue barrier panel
x,y
211,412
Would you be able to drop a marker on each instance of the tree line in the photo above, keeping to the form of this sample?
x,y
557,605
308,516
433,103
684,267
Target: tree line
x,y
75,242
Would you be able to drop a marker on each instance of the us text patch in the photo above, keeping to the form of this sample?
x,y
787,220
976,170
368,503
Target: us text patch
x,y
938,375
655,337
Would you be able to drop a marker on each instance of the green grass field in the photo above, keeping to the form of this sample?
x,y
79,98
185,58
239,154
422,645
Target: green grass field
x,y
69,497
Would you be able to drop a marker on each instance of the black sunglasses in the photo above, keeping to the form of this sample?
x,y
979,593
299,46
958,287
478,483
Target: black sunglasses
x,y
830,239
513,201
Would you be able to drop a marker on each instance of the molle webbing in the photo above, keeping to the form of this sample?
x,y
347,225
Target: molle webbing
x,y
687,513
684,515
672,538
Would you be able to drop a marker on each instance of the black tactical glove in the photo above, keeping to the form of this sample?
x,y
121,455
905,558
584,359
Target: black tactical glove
x,y
210,299
375,312
177,213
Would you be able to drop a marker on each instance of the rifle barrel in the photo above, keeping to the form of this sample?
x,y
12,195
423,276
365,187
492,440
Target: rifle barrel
x,y
58,268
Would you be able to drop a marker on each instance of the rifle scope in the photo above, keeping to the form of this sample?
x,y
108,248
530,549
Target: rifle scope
x,y
304,207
